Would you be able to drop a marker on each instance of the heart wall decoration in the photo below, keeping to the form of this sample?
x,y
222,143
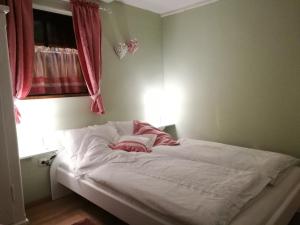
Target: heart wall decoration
x,y
131,46
121,50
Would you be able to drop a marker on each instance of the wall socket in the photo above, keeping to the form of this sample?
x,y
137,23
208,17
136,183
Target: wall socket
x,y
41,162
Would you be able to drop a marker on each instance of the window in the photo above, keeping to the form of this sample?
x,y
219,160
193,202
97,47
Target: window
x,y
56,65
53,30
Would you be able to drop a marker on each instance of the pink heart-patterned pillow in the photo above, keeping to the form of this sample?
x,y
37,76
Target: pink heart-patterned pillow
x,y
162,138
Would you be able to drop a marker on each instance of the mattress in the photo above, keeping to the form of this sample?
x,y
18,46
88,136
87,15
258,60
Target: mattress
x,y
257,212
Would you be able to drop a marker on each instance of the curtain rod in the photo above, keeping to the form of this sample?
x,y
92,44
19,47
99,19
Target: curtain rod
x,y
108,10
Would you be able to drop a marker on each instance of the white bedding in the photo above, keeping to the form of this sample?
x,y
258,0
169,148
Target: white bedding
x,y
190,192
267,206
269,164
195,183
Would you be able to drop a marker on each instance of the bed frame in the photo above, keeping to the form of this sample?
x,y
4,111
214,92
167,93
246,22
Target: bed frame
x,y
134,215
118,207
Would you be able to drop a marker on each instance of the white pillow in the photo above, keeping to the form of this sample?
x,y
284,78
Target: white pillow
x,y
106,132
68,140
123,127
97,139
71,140
146,139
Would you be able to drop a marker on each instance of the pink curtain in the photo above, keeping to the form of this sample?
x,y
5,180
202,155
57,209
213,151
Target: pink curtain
x,y
21,47
87,28
57,71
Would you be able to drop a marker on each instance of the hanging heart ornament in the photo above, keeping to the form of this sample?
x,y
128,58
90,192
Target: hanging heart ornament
x,y
133,46
121,50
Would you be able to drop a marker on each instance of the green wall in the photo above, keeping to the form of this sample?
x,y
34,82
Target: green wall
x,y
232,67
126,81
35,179
236,66
123,86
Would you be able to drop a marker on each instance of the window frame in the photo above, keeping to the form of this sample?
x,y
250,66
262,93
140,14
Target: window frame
x,y
62,8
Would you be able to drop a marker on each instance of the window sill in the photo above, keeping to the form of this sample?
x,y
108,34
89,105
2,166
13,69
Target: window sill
x,y
55,96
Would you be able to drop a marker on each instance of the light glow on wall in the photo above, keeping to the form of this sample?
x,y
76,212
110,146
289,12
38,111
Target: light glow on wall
x,y
163,107
38,118
153,105
173,104
41,117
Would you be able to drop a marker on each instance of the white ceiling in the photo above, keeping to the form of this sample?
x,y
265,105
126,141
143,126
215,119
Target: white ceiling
x,y
167,7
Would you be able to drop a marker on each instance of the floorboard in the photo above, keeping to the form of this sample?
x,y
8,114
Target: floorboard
x,y
67,211
74,208
295,220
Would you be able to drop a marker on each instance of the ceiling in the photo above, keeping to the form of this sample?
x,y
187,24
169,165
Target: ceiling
x,y
166,7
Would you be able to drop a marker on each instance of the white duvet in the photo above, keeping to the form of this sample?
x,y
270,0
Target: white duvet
x,y
269,164
196,183
189,192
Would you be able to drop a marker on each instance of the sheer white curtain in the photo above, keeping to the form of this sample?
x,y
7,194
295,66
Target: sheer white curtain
x,y
57,71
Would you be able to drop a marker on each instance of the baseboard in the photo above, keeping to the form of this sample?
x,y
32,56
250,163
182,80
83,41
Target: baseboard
x,y
38,202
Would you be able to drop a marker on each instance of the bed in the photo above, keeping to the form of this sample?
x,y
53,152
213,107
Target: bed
x,y
269,203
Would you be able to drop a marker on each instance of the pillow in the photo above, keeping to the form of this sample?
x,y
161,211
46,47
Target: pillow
x,y
71,140
123,127
135,143
162,137
97,138
147,139
106,132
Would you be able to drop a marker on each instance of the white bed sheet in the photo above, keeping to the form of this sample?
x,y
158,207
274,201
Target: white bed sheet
x,y
259,211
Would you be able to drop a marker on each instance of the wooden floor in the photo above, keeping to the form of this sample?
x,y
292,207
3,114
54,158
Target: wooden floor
x,y
74,208
67,211
295,220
